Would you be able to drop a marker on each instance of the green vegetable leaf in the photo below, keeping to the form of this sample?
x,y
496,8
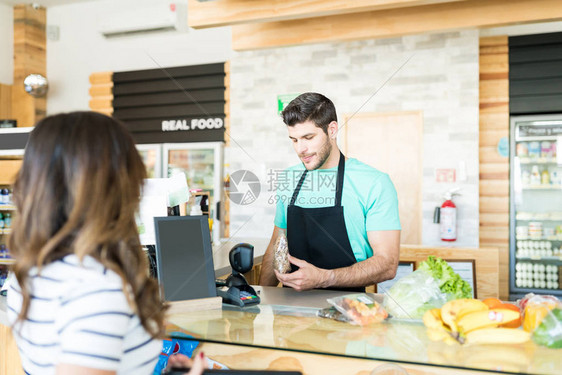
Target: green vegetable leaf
x,y
449,281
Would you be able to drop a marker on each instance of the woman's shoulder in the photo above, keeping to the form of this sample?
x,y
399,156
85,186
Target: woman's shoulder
x,y
72,278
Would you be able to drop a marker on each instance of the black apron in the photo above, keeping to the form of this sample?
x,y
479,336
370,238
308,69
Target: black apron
x,y
318,235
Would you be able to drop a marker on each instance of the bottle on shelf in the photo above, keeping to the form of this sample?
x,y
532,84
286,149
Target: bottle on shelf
x,y
535,176
534,150
7,220
526,178
546,149
522,149
545,177
3,278
5,196
1,221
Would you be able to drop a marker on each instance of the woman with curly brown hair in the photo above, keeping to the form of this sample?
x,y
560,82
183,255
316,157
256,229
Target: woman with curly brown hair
x,y
82,301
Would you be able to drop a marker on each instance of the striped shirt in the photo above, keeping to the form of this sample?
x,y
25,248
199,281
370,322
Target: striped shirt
x,y
79,315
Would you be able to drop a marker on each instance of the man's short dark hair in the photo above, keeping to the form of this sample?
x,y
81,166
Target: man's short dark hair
x,y
310,106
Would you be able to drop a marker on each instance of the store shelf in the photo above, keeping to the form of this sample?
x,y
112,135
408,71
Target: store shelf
x,y
539,216
527,238
556,260
525,160
7,207
7,261
537,161
542,187
6,231
537,219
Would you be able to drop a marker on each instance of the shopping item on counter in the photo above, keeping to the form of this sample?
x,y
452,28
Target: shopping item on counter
x,y
535,308
430,286
359,308
471,321
332,313
281,254
549,332
542,316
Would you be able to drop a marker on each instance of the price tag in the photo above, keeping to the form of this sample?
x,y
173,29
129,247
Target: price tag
x,y
366,300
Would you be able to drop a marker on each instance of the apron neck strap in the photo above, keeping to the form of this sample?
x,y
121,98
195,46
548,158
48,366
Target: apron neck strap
x,y
298,188
339,183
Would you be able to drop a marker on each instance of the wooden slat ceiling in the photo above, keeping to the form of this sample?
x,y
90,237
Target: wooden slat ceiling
x,y
265,24
204,14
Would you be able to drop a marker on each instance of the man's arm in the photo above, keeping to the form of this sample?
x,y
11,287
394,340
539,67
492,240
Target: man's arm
x,y
267,276
380,267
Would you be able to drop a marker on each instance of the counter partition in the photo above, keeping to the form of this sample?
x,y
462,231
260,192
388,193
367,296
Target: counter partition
x,y
283,332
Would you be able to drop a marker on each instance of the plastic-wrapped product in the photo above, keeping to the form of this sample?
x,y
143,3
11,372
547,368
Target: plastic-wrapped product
x,y
413,295
359,308
549,332
281,254
332,313
535,308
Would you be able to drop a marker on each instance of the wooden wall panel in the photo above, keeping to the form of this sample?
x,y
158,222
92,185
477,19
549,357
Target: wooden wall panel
x,y
372,138
494,168
5,101
203,14
395,22
101,92
30,57
8,171
10,363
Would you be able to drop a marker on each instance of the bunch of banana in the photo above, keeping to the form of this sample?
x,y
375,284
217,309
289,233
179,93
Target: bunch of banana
x,y
471,321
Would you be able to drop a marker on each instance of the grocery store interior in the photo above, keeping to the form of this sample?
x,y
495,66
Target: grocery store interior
x,y
458,101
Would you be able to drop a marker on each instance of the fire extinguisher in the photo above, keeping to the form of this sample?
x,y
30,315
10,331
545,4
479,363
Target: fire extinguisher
x,y
446,216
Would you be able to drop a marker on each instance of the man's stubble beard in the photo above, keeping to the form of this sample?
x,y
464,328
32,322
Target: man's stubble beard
x,y
323,154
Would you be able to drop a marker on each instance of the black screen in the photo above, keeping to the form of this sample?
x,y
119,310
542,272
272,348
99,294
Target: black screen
x,y
184,257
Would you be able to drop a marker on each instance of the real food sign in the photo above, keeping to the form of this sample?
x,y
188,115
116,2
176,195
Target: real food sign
x,y
170,105
194,124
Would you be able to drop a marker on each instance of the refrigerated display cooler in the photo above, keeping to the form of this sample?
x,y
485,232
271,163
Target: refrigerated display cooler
x,y
202,164
535,205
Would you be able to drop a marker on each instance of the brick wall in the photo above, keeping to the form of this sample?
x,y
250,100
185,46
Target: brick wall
x,y
440,79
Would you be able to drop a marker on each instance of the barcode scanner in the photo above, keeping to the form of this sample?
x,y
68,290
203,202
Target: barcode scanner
x,y
236,290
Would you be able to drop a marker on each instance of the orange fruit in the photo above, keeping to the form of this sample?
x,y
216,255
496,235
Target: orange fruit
x,y
492,303
509,306
516,323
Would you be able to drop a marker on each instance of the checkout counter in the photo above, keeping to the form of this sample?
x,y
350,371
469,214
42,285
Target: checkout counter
x,y
283,332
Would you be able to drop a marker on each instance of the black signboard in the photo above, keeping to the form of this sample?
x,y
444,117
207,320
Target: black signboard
x,y
540,130
535,73
179,104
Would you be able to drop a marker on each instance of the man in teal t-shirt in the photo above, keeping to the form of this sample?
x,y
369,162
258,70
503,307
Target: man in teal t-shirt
x,y
341,215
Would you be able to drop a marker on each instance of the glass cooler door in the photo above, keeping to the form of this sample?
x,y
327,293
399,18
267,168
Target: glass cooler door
x,y
202,165
152,158
536,205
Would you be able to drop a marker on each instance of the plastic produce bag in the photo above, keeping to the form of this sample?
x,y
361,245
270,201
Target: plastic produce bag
x,y
535,308
411,296
542,316
359,308
332,313
549,332
281,254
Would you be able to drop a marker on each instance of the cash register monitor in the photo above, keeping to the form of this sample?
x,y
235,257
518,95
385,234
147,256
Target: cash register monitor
x,y
184,257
